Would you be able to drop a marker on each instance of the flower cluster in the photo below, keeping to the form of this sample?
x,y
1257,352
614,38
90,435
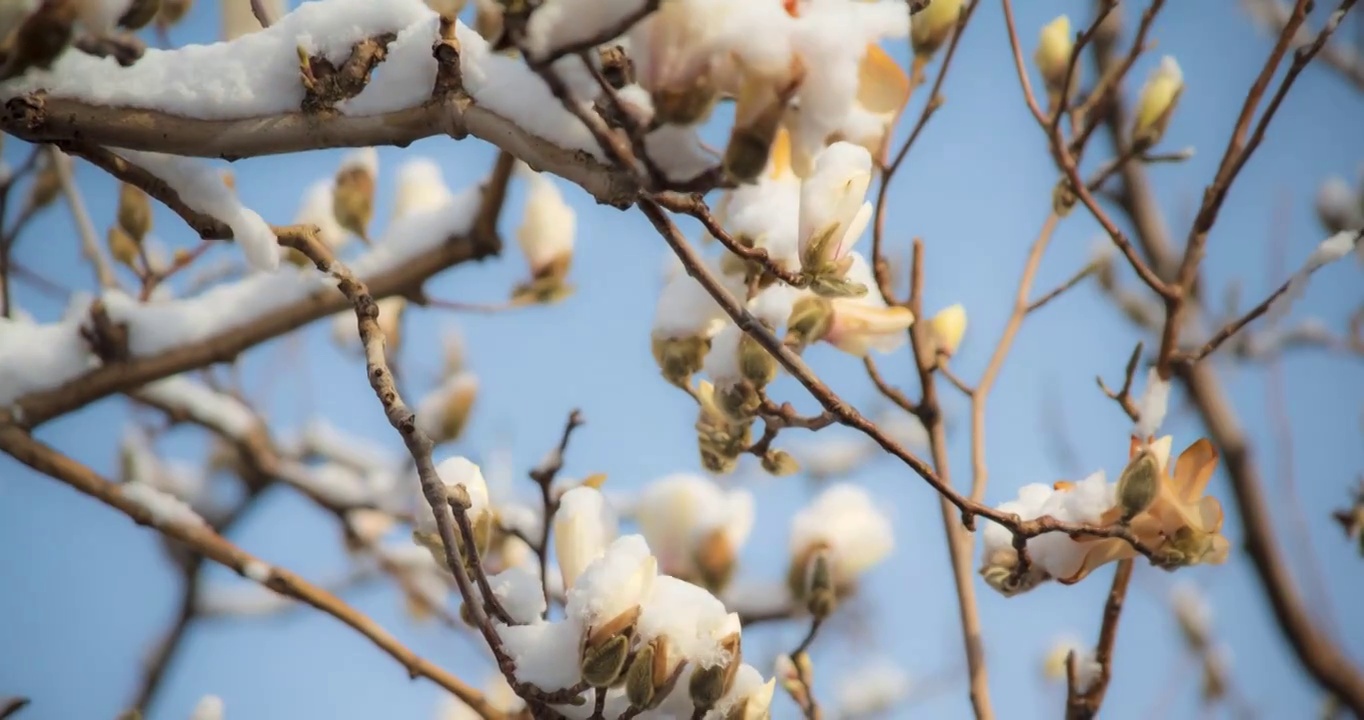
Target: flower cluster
x,y
1165,508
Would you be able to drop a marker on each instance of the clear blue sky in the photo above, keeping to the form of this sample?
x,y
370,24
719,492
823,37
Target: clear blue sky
x,y
85,592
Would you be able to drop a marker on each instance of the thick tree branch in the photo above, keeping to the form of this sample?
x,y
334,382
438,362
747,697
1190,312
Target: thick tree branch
x,y
204,540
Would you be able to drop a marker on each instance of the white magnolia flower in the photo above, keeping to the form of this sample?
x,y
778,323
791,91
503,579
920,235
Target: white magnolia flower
x,y
862,324
421,187
209,707
458,471
583,527
833,207
694,526
749,698
547,228
847,524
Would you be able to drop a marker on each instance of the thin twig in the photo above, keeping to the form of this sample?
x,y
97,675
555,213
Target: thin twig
x,y
1084,704
544,475
90,246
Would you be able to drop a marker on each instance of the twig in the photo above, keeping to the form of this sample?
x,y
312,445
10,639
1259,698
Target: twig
x,y
1059,290
205,541
543,475
262,15
890,392
810,708
1124,396
11,705
90,247
1084,704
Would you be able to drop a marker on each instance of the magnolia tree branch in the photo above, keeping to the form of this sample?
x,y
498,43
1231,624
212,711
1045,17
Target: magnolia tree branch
x,y
1319,653
1083,704
205,541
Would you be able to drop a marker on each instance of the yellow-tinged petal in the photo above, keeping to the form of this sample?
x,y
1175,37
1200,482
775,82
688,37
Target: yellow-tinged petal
x,y
858,326
1098,554
779,159
1194,469
882,85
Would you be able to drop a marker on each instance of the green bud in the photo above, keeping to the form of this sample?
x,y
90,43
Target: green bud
x,y
819,585
779,463
1138,485
680,358
809,321
739,401
602,665
707,686
1063,197
834,286
639,679
756,364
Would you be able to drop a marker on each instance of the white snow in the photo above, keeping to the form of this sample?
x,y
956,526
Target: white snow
x,y
322,438
257,571
618,580
37,357
1153,405
545,653
519,591
559,23
165,509
201,187
217,410
688,616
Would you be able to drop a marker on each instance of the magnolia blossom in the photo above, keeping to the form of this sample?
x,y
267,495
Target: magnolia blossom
x,y
1157,103
547,228
442,414
455,473
1180,523
859,325
845,523
316,209
613,584
947,328
583,527
1087,665
883,89
1054,48
833,208
695,527
749,698
209,707
421,188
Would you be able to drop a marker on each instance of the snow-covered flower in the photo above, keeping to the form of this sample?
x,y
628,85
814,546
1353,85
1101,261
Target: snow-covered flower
x,y
679,622
209,707
833,214
685,320
695,527
748,698
443,413
883,89
606,600
846,526
1157,102
546,233
1181,524
583,528
858,325
457,473
1339,206
421,187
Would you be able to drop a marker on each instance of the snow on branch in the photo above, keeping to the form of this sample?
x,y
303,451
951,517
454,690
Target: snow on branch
x,y
246,97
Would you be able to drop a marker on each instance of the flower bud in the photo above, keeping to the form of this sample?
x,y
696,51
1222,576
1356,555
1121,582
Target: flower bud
x,y
122,246
1063,197
353,193
1138,484
779,463
1055,45
680,358
639,678
134,211
947,329
933,26
602,664
139,13
739,401
820,598
833,286
42,37
707,686
810,320
756,364
715,560
1159,97
172,12
47,183
687,105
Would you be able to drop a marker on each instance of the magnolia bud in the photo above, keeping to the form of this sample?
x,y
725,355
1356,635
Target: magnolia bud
x,y
779,463
139,13
122,246
933,26
602,664
431,541
1138,484
639,679
714,557
685,106
680,358
353,199
1053,54
1063,197
134,211
809,321
947,329
819,586
1159,97
47,183
172,12
756,364
739,401
833,285
707,686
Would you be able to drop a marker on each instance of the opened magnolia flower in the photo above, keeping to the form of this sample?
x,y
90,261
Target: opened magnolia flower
x,y
695,527
855,325
1167,512
583,527
833,215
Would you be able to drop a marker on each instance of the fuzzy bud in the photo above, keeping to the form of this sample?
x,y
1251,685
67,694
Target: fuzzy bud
x,y
353,199
685,106
639,678
779,463
47,183
1138,484
1159,97
139,13
122,246
947,329
820,598
715,561
602,664
134,211
756,364
1063,197
1055,45
933,26
680,358
809,321
41,38
739,401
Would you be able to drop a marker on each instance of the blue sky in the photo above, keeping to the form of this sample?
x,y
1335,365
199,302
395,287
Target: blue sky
x,y
87,592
